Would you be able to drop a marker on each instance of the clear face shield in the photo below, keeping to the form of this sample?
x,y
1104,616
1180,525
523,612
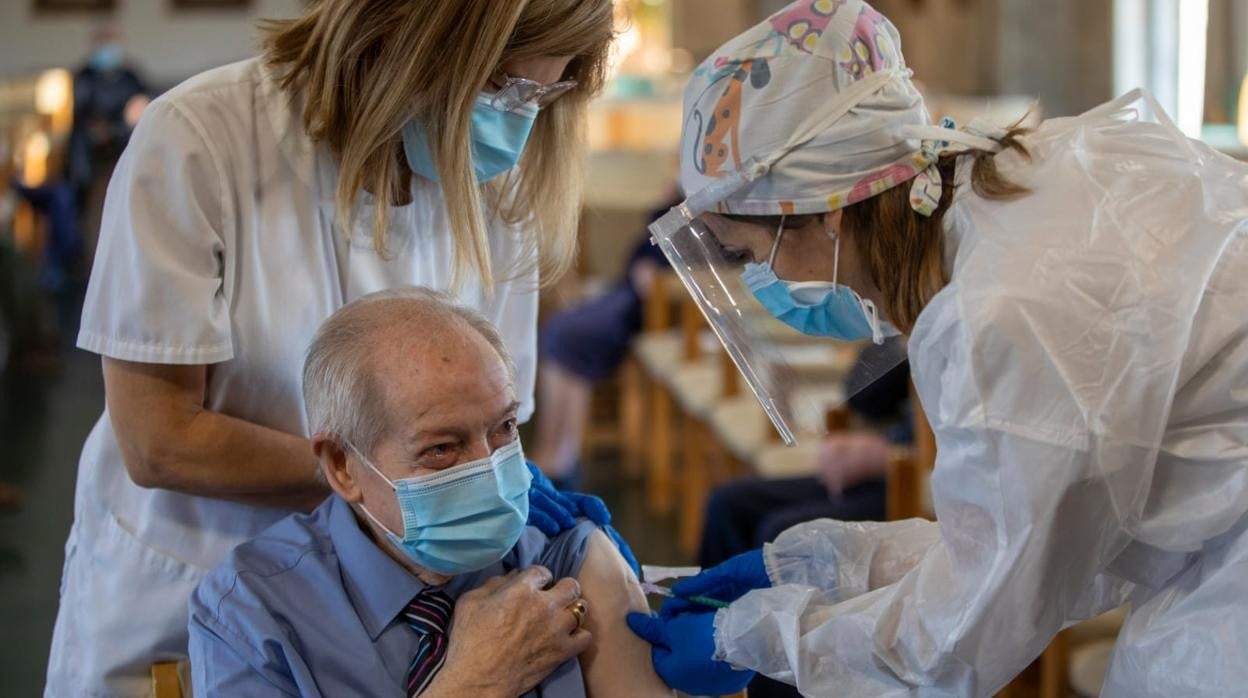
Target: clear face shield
x,y
797,379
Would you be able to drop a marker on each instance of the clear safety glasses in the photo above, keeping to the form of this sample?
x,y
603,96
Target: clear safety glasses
x,y
516,93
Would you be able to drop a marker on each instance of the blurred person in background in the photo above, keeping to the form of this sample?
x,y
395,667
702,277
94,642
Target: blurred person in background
x,y
109,97
10,314
62,252
848,483
375,143
583,344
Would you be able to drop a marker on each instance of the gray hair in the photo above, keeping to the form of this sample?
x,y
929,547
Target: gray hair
x,y
341,386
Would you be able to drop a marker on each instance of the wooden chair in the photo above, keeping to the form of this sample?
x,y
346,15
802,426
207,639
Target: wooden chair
x,y
167,680
631,410
655,350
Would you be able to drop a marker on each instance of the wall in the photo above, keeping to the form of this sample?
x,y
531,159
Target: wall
x,y
166,46
1059,50
702,26
949,44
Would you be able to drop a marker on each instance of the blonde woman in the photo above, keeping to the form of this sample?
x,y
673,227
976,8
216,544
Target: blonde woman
x,y
376,143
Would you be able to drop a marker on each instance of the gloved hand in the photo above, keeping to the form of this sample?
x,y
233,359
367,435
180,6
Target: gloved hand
x,y
727,581
552,512
682,651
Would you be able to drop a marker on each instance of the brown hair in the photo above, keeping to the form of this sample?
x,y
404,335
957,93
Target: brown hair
x,y
904,251
365,67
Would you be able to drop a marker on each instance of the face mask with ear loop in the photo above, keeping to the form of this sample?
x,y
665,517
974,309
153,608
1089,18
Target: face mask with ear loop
x,y
816,308
464,518
714,281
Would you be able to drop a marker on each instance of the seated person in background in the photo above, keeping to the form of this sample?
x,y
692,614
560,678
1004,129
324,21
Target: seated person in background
x,y
417,576
848,484
581,345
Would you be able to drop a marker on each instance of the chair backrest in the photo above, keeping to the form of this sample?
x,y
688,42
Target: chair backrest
x,y
656,313
691,325
730,376
166,680
836,419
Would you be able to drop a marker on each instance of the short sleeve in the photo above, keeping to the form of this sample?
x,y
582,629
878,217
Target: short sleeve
x,y
157,290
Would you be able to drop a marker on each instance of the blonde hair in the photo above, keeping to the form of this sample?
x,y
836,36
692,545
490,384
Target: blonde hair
x,y
366,67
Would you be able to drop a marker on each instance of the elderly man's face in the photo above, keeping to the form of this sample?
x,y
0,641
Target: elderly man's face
x,y
450,401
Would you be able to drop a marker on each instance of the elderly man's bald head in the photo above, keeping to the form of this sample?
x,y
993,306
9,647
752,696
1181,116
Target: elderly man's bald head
x,y
370,356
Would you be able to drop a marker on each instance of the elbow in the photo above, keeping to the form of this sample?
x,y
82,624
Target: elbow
x,y
147,467
153,456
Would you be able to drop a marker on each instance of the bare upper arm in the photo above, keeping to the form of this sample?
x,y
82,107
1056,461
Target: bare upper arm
x,y
618,662
149,405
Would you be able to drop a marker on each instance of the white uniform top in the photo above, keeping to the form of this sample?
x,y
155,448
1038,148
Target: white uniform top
x,y
1086,375
220,246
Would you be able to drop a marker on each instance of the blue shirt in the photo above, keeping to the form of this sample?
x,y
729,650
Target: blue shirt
x,y
312,607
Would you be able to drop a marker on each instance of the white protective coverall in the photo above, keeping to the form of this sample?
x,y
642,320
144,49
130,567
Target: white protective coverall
x,y
1086,375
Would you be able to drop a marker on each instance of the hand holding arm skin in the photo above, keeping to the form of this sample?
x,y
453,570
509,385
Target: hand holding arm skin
x,y
509,634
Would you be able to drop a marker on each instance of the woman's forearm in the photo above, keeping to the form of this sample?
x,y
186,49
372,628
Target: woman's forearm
x,y
228,458
170,441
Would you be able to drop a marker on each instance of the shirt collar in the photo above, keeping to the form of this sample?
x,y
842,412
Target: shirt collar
x,y
379,587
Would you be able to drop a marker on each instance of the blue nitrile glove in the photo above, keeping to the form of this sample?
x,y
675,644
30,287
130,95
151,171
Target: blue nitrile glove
x,y
727,581
552,512
682,650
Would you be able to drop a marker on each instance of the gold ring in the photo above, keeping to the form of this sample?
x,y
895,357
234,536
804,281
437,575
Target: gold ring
x,y
578,610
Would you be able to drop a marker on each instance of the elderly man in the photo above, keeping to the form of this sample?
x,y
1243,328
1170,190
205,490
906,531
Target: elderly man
x,y
418,575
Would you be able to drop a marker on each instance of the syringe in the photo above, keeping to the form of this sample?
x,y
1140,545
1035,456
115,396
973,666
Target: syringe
x,y
651,588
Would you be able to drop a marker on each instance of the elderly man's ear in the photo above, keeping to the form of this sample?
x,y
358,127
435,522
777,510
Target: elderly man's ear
x,y
332,458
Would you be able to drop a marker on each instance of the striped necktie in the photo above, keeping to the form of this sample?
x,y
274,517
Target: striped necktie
x,y
429,614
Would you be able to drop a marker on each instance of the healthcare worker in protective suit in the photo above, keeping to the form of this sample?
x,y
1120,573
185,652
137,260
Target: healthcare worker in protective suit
x,y
1076,301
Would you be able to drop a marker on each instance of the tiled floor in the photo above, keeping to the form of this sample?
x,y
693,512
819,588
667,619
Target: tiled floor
x,y
44,417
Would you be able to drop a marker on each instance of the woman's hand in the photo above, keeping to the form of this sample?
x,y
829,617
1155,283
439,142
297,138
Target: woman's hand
x,y
727,581
684,654
509,634
552,512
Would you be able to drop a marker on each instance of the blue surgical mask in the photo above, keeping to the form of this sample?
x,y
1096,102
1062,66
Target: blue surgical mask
x,y
498,139
106,57
464,518
817,308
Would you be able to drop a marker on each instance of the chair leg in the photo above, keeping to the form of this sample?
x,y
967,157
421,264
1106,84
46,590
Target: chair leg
x,y
695,484
1053,668
165,680
632,421
659,481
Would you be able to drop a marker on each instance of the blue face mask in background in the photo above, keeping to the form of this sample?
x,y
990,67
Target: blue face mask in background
x,y
498,140
106,57
464,518
816,308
